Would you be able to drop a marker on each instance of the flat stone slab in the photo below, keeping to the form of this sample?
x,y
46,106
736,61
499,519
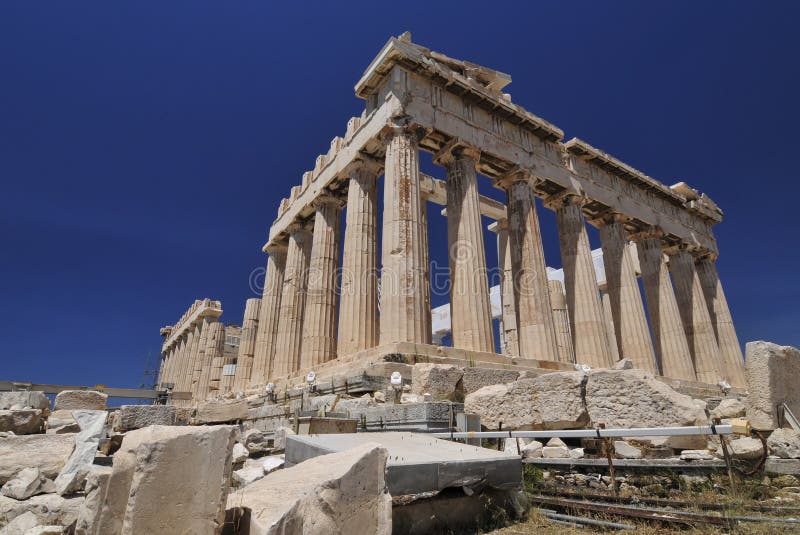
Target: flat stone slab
x,y
671,464
418,463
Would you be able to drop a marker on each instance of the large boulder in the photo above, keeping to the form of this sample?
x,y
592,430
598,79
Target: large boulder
x,y
169,480
784,443
341,492
279,442
745,448
50,509
48,453
255,442
476,378
771,372
729,408
22,524
25,484
442,381
95,491
221,411
551,401
634,398
30,400
21,421
73,475
130,417
70,400
62,422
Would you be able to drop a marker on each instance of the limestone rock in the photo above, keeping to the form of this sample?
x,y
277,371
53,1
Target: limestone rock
x,y
341,492
380,397
239,455
62,422
623,450
779,466
221,411
21,524
251,472
634,398
73,475
729,408
555,452
95,490
20,400
326,402
272,463
696,455
412,398
25,484
784,443
442,381
46,530
550,401
255,442
169,480
92,400
48,453
685,442
476,378
771,372
532,450
576,453
50,509
183,415
355,404
279,442
623,364
21,421
745,448
556,442
130,417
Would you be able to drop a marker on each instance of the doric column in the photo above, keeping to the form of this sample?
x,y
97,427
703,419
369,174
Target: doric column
x,y
558,305
508,319
175,360
426,262
193,355
358,304
293,301
212,367
200,359
405,269
608,316
228,359
268,318
631,332
722,321
470,307
163,376
181,383
247,345
589,336
319,321
536,333
669,337
694,313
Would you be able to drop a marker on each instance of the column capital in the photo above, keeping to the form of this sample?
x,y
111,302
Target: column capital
x,y
606,217
564,198
456,149
682,247
514,176
397,126
363,165
298,227
276,248
498,226
328,199
646,233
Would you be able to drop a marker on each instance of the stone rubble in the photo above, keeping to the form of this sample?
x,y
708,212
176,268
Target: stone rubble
x,y
68,400
21,421
784,443
71,478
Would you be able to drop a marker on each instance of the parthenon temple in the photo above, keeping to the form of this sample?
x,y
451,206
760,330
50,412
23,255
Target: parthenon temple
x,y
659,302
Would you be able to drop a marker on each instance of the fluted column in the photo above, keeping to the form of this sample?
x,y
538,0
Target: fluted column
x,y
268,318
228,359
163,376
669,337
631,332
191,361
508,322
535,330
694,313
186,358
722,322
174,365
212,367
405,270
319,321
358,304
470,307
608,316
293,300
426,262
247,345
589,336
558,305
200,359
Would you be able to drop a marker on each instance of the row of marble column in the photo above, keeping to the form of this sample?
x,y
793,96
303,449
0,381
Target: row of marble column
x,y
298,325
194,362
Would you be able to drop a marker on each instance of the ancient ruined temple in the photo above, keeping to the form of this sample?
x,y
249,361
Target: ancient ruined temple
x,y
417,99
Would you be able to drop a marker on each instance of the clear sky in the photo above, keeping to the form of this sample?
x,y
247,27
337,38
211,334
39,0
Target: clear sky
x,y
144,146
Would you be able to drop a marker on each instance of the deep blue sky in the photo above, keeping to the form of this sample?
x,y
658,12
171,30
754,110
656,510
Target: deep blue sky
x,y
144,146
